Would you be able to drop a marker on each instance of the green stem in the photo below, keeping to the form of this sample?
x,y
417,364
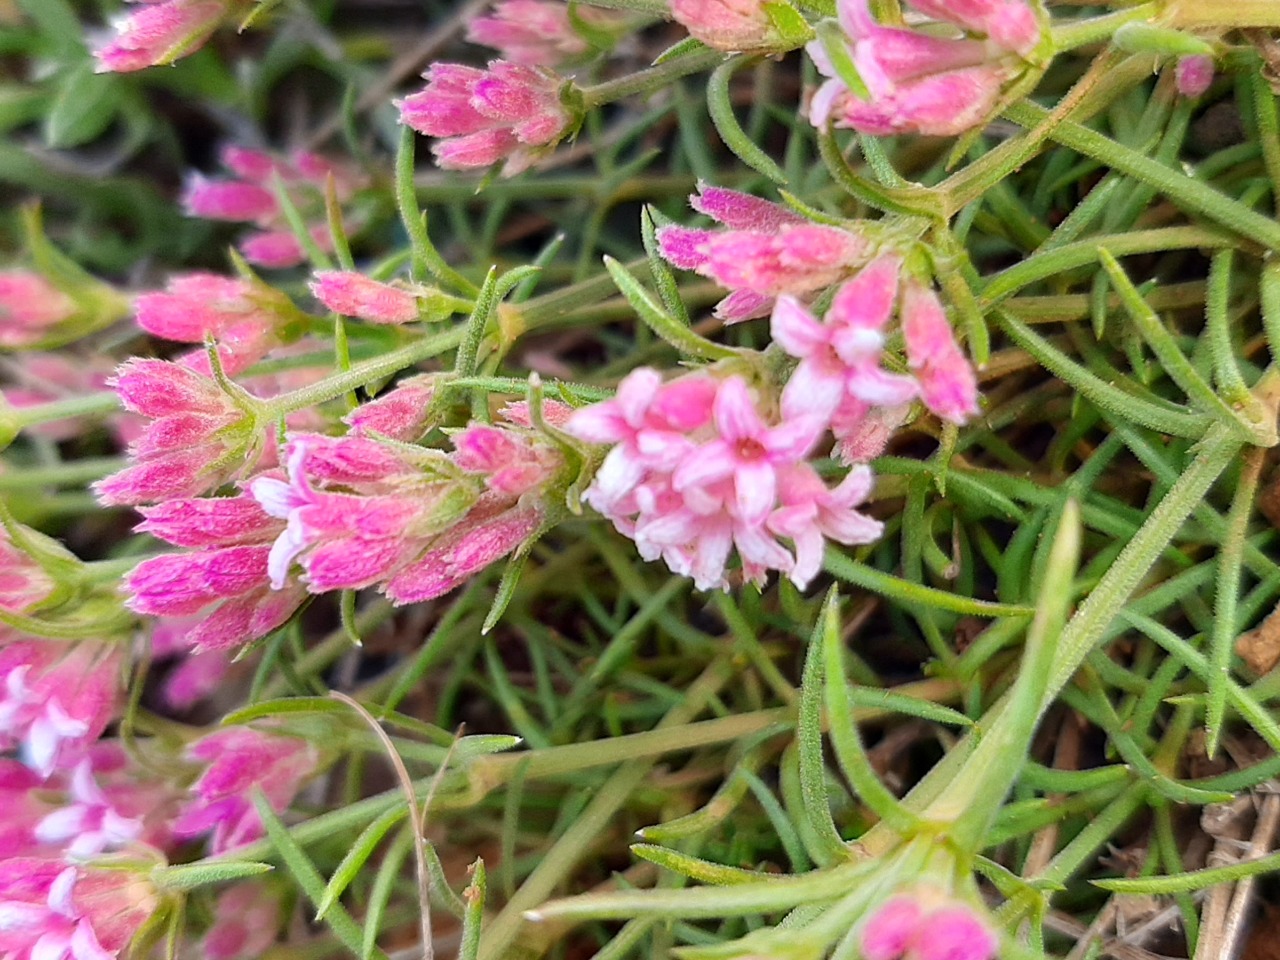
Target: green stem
x,y
366,372
1078,33
62,475
100,403
654,78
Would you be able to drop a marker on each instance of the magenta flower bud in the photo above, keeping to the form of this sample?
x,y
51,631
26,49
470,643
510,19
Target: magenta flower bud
x,y
485,535
955,932
948,385
892,930
192,443
731,25
400,414
160,33
250,164
1193,75
238,761
57,698
233,200
280,249
30,307
509,112
512,462
938,105
765,251
536,33
355,295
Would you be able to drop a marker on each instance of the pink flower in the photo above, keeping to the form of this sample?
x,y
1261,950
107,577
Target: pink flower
x,y
1008,23
400,414
810,514
513,462
246,919
841,356
352,540
912,928
30,307
509,112
696,472
487,533
160,33
733,25
240,760
53,911
243,317
197,674
198,438
20,809
918,83
746,454
767,250
224,578
536,33
233,200
88,824
1193,75
355,295
647,423
947,382
58,698
280,249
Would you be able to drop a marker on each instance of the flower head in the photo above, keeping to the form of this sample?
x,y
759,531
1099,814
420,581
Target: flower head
x,y
509,112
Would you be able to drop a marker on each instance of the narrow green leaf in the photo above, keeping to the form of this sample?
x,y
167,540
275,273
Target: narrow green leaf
x,y
663,278
720,106
913,594
1192,880
662,323
85,104
190,876
474,896
695,868
356,858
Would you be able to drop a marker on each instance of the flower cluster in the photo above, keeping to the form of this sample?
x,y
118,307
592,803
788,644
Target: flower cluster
x,y
765,250
696,468
918,82
510,113
246,197
415,522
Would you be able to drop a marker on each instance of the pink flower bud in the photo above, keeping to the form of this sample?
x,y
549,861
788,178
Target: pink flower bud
x,y
948,385
1009,23
355,295
892,929
30,307
280,249
535,33
160,33
484,536
400,414
1193,75
939,105
233,200
732,25
955,933
189,445
507,112
240,760
250,164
